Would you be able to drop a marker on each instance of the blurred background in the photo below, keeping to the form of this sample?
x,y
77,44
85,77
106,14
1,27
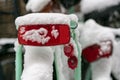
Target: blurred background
x,y
11,9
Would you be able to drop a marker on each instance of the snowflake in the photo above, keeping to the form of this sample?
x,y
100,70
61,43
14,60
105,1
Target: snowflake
x,y
22,30
54,32
39,36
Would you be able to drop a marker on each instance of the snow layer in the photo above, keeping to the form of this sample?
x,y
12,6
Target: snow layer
x,y
88,6
38,63
34,36
93,33
36,5
45,18
37,72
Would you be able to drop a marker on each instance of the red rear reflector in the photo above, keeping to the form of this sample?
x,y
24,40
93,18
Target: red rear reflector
x,y
95,52
44,35
68,50
72,62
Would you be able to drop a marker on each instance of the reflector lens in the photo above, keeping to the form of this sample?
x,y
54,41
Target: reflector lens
x,y
95,52
68,50
44,35
72,62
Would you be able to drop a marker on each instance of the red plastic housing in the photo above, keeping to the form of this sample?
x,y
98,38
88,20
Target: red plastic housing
x,y
44,35
95,52
69,50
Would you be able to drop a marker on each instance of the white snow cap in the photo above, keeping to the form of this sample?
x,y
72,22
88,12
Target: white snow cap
x,y
93,33
36,5
92,5
45,18
39,55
